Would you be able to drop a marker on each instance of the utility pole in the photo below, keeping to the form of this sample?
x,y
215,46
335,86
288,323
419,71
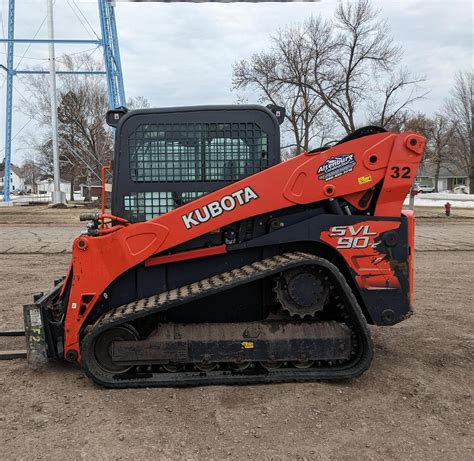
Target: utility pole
x,y
58,196
9,105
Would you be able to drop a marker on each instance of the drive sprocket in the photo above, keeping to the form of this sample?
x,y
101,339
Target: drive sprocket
x,y
302,292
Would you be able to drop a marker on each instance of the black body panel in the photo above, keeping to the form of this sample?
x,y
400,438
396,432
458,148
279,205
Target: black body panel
x,y
301,232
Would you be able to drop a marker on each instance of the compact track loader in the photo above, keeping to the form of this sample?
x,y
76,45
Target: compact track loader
x,y
219,264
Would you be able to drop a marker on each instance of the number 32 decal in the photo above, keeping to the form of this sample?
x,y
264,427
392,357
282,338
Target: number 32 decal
x,y
405,173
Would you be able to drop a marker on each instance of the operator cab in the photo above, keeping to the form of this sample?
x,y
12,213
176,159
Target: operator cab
x,y
167,157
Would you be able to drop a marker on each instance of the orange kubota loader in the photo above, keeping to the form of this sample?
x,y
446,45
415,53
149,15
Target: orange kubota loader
x,y
219,264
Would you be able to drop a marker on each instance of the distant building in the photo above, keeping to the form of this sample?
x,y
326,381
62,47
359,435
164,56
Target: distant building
x,y
46,186
17,179
95,189
448,178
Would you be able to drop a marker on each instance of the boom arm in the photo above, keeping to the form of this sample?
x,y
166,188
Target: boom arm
x,y
349,171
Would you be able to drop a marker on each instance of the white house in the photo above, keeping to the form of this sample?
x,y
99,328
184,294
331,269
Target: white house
x,y
46,186
17,180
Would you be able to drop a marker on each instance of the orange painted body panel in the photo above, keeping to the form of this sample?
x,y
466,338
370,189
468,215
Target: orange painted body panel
x,y
98,261
371,267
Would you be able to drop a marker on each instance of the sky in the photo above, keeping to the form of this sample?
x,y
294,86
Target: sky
x,y
178,54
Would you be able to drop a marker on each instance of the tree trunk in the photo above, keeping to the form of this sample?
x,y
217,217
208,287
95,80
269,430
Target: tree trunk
x,y
87,195
71,192
436,178
471,176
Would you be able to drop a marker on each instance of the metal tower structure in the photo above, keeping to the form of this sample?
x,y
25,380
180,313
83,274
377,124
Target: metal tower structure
x,y
110,44
113,71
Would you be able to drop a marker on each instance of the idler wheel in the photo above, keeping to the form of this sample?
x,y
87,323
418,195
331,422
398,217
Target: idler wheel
x,y
103,348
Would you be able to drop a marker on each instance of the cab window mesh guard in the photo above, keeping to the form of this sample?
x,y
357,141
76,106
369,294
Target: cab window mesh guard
x,y
196,152
142,206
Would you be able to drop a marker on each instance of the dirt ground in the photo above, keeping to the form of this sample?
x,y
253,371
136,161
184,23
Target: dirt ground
x,y
415,402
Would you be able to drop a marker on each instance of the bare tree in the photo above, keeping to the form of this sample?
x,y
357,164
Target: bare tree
x,y
366,76
282,77
406,121
305,114
345,68
438,148
138,102
395,100
458,109
85,141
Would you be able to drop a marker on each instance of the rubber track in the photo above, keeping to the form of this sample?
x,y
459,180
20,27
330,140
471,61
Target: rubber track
x,y
210,286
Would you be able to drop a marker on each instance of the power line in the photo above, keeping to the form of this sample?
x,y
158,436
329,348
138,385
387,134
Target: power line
x,y
39,30
3,34
61,59
36,34
80,20
29,46
26,57
18,132
20,94
85,19
93,51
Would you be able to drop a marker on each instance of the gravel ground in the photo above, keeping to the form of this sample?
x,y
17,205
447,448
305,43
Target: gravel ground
x,y
415,402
